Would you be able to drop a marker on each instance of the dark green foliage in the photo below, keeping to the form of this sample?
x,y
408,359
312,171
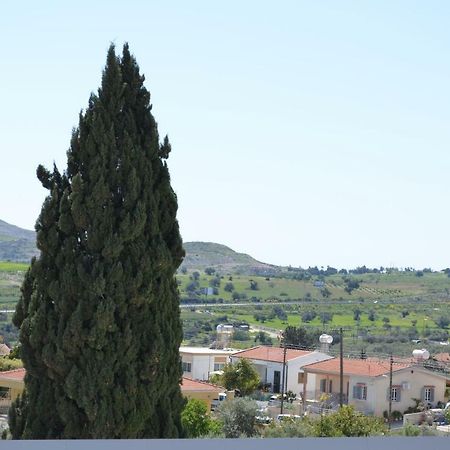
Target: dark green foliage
x,y
229,287
195,419
99,312
16,416
238,417
348,422
263,338
300,337
240,375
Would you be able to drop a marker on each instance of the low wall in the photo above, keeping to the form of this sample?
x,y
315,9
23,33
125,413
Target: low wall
x,y
413,418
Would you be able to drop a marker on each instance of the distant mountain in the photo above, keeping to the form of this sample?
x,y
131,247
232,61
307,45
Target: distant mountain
x,y
16,244
200,255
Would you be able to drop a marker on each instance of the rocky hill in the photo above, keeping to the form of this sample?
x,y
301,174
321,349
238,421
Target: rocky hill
x,y
200,255
16,244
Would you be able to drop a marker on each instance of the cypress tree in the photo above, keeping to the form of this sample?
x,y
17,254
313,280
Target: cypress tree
x,y
99,311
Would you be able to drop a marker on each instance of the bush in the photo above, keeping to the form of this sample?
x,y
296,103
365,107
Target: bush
x,y
235,296
240,375
290,428
411,430
238,417
347,422
229,287
194,418
9,364
240,335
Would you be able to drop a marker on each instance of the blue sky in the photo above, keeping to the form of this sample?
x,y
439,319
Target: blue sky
x,y
303,133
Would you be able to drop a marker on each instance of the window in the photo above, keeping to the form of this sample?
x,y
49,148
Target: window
x,y
301,378
360,391
330,386
428,393
187,367
395,393
323,385
218,366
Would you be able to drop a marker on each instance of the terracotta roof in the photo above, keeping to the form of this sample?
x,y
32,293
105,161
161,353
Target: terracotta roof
x,y
442,357
187,384
367,368
4,350
274,354
17,374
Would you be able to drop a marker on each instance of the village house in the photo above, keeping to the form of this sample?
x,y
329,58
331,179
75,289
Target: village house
x,y
268,362
366,384
11,385
199,362
201,390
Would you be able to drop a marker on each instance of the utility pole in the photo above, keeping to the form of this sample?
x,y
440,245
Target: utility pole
x,y
341,368
282,381
391,362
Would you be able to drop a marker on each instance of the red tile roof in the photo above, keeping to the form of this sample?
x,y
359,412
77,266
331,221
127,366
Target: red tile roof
x,y
442,357
188,384
367,368
17,374
274,354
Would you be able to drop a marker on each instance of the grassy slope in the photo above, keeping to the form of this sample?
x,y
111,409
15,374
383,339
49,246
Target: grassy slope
x,y
387,295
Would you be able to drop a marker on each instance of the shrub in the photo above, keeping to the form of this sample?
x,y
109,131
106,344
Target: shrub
x,y
238,417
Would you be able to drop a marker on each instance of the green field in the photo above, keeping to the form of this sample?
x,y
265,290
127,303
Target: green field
x,y
372,286
6,266
402,306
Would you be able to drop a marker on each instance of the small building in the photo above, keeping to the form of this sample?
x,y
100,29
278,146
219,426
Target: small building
x,y
268,362
199,362
366,384
200,390
11,385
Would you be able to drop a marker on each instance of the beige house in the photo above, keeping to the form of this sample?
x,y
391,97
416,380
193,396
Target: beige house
x,y
268,362
200,390
199,362
11,385
366,384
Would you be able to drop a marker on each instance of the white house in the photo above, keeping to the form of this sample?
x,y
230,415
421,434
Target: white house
x,y
199,362
366,384
268,362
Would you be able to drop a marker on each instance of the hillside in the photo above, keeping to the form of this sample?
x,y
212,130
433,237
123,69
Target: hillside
x,y
19,245
16,244
200,255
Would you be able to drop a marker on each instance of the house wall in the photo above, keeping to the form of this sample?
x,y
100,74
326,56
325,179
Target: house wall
x,y
15,389
378,390
295,366
266,370
201,365
418,378
313,385
204,396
